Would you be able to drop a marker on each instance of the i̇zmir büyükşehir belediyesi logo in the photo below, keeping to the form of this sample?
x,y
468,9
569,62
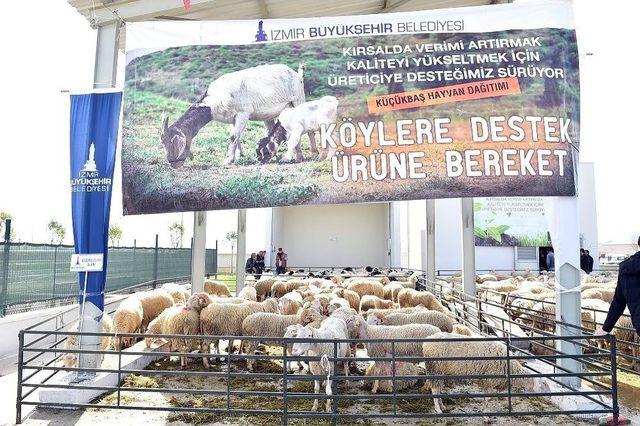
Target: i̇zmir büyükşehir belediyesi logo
x,y
261,35
88,179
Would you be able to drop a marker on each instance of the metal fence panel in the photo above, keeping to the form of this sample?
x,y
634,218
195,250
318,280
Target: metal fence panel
x,y
40,272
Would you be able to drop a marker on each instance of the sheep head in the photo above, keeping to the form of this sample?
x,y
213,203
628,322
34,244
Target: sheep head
x,y
266,150
176,144
300,348
376,318
356,327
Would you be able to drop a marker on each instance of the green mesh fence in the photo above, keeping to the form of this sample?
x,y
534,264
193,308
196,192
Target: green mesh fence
x,y
40,272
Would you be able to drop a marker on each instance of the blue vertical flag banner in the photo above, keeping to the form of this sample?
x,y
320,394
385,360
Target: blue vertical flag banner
x,y
94,132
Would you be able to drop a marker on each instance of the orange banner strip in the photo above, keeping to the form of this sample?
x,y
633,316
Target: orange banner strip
x,y
442,95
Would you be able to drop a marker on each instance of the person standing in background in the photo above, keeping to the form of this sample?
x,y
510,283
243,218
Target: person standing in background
x,y
627,295
259,264
589,262
583,261
250,266
281,261
551,261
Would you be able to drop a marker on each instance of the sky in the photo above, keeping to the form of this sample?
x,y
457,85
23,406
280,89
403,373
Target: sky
x,y
50,48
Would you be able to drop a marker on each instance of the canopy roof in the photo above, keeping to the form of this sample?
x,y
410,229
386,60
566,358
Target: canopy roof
x,y
99,12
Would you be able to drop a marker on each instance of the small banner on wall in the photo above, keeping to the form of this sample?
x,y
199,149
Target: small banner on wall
x,y
510,221
466,102
94,132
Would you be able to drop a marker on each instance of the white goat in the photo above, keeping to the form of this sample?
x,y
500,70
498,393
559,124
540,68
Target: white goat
x,y
257,93
331,328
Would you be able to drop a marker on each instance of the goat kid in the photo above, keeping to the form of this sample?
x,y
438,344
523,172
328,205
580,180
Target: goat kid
x,y
293,123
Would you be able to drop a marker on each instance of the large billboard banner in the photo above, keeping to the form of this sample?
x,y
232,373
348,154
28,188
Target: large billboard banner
x,y
468,102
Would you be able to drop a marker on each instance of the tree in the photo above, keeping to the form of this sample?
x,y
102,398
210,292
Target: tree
x,y
4,216
176,232
115,235
57,232
232,237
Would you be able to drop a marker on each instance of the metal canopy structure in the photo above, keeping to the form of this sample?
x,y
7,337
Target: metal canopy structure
x,y
100,12
109,15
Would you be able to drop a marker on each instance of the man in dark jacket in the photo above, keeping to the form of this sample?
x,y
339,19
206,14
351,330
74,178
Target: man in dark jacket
x,y
583,261
589,262
250,266
627,294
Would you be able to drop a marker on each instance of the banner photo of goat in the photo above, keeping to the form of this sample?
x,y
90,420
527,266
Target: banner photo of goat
x,y
467,102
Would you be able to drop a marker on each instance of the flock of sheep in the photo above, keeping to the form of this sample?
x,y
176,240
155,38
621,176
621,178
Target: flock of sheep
x,y
531,300
354,304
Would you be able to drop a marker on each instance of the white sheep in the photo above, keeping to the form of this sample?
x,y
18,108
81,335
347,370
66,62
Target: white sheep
x,y
349,295
331,328
369,301
263,287
391,291
179,294
268,324
127,319
435,318
216,288
153,303
366,286
359,329
222,319
408,297
472,349
248,293
182,319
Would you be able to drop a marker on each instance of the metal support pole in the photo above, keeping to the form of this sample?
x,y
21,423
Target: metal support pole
x,y
20,365
395,247
106,65
566,243
155,261
198,251
241,249
104,77
55,268
468,248
5,266
430,231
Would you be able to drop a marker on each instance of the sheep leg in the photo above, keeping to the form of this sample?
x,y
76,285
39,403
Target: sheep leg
x,y
249,350
216,345
346,374
316,390
436,389
376,382
329,392
485,407
293,144
299,156
269,124
205,348
230,347
235,148
312,142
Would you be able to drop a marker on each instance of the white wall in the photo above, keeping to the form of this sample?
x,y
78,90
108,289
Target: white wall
x,y
495,258
339,235
587,210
